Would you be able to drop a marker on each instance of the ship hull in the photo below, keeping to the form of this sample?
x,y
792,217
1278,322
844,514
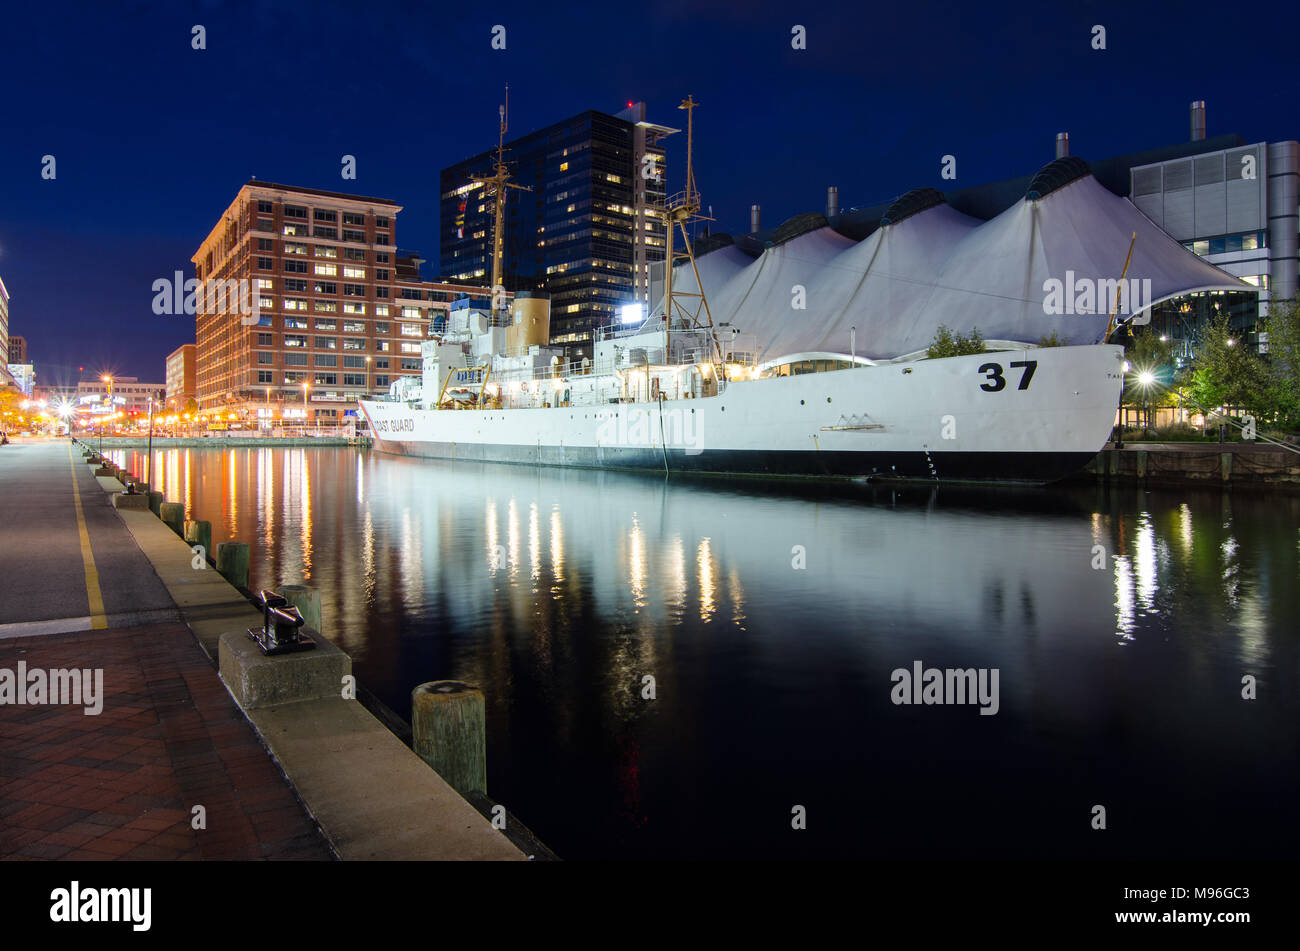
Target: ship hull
x,y
985,418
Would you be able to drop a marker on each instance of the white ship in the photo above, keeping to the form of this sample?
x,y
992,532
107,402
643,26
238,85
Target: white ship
x,y
681,393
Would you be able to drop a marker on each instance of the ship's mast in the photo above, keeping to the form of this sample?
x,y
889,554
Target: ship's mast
x,y
496,185
678,211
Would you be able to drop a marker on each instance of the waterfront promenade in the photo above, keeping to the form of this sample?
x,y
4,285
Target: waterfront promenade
x,y
170,766
79,594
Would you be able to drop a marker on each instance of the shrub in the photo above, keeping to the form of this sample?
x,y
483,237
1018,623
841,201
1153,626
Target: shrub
x,y
948,344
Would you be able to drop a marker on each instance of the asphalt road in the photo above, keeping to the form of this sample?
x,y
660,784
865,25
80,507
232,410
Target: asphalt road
x,y
43,574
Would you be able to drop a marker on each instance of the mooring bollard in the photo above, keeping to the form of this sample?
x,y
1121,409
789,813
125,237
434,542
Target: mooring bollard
x,y
155,503
173,515
199,533
449,732
232,562
307,600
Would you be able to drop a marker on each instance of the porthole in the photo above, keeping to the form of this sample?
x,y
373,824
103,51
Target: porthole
x,y
801,403
828,399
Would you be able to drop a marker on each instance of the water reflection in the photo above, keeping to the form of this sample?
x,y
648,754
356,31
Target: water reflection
x,y
561,592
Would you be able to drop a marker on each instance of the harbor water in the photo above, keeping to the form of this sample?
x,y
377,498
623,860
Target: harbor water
x,y
711,668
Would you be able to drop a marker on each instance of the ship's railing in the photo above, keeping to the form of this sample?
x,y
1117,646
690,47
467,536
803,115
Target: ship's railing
x,y
652,325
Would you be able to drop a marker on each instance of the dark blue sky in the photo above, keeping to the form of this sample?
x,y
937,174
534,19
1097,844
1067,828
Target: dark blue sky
x,y
152,139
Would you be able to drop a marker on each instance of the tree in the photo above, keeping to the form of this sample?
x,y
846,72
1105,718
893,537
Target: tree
x,y
1052,340
1228,372
10,408
1283,328
947,344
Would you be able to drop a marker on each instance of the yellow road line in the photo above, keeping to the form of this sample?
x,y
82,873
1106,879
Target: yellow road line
x,y
97,619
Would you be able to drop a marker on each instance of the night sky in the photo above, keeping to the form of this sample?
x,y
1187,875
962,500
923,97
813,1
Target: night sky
x,y
152,139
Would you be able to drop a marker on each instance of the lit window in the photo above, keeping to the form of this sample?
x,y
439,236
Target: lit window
x,y
328,270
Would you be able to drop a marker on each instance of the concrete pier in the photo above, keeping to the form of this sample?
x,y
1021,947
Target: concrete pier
x,y
1242,465
121,580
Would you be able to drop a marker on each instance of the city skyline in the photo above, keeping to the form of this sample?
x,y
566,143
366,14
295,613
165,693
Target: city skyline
x,y
137,181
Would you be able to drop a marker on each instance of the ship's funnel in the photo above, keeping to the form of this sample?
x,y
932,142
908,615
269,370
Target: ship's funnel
x,y
530,323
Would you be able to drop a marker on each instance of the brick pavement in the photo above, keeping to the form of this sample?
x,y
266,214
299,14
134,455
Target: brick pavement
x,y
122,784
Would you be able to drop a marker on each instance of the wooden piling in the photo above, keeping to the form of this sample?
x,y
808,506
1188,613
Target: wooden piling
x,y
173,514
232,562
199,532
156,500
307,600
449,732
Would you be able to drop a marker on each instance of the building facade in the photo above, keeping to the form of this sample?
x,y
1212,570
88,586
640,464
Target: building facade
x,y
17,349
125,394
181,386
587,231
5,377
24,377
340,311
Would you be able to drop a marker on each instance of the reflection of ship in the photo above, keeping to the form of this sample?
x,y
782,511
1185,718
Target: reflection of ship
x,y
680,393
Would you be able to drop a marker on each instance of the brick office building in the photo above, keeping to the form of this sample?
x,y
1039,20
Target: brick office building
x,y
340,312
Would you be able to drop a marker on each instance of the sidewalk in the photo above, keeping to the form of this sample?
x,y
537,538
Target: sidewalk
x,y
80,594
124,784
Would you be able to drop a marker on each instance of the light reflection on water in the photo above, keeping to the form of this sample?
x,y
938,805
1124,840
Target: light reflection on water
x,y
560,592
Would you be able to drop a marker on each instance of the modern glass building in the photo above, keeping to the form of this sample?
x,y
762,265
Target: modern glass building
x,y
585,232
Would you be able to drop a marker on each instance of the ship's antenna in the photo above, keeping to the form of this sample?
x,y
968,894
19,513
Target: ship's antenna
x,y
496,185
678,210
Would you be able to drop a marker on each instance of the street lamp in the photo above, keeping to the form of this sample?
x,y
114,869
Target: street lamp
x,y
305,410
148,457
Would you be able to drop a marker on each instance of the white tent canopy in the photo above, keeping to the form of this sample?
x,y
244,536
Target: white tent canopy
x,y
938,266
